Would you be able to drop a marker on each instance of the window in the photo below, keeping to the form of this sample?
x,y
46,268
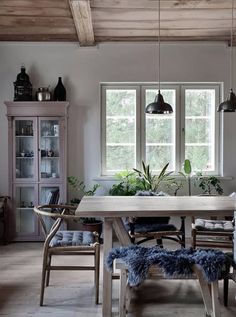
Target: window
x,y
130,136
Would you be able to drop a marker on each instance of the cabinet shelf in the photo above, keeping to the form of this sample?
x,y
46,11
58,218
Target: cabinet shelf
x,y
25,208
24,136
24,157
49,136
50,157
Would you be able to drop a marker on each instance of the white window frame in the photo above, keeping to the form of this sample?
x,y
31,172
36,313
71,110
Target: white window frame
x,y
217,88
105,87
179,120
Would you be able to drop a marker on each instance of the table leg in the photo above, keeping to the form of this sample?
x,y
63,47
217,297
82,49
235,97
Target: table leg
x,y
215,299
206,295
107,276
124,240
121,232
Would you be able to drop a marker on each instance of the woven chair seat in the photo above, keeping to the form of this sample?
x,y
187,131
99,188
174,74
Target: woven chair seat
x,y
213,225
72,238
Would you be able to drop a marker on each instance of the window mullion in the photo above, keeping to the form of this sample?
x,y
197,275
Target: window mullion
x,y
182,126
139,129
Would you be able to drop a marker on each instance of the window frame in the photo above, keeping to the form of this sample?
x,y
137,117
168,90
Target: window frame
x,y
217,88
121,86
179,120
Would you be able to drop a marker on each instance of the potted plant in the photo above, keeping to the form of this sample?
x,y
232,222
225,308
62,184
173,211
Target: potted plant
x,y
209,184
127,185
152,182
143,183
78,186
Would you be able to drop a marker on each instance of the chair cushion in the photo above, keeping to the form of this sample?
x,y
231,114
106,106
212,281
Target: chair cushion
x,y
214,225
72,238
151,220
153,227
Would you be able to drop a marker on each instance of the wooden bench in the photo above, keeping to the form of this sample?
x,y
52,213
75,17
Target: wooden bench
x,y
209,291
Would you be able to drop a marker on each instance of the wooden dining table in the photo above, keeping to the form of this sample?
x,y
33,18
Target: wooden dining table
x,y
113,208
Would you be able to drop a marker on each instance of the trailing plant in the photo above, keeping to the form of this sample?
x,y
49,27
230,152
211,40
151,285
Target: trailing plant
x,y
175,185
80,189
209,184
79,186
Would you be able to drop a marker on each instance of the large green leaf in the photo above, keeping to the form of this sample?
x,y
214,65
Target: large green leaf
x,y
187,167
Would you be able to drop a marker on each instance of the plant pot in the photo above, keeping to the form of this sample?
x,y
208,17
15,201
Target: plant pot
x,y
93,226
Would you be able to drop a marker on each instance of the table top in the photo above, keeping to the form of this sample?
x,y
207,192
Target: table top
x,y
150,206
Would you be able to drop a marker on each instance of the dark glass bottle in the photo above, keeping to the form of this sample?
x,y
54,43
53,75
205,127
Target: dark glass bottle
x,y
59,91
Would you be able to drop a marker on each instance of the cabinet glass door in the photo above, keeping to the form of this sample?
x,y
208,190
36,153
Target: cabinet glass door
x,y
24,149
50,149
49,195
25,216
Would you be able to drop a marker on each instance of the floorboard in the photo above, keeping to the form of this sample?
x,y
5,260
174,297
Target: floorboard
x,y
71,293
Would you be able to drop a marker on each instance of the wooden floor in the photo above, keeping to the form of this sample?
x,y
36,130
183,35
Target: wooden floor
x,y
72,294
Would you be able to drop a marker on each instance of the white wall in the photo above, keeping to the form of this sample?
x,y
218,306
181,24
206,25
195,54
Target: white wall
x,y
82,69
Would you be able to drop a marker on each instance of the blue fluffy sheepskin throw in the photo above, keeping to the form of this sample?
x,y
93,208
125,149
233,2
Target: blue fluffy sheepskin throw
x,y
176,263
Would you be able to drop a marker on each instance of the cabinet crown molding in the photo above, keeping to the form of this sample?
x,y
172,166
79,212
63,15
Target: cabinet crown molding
x,y
37,108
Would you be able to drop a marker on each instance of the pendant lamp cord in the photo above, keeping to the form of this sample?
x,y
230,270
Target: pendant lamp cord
x,y
159,44
231,46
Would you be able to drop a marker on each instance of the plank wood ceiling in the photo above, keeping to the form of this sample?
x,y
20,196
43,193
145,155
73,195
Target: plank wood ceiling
x,y
98,21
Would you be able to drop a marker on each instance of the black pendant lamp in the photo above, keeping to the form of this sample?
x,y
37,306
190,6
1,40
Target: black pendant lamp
x,y
159,106
229,105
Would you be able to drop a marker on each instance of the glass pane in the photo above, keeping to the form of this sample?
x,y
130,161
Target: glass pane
x,y
120,158
200,157
24,143
163,153
25,217
120,102
120,129
50,195
49,134
200,128
160,132
197,130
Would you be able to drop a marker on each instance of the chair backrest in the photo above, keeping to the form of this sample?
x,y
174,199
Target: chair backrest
x,y
150,220
51,216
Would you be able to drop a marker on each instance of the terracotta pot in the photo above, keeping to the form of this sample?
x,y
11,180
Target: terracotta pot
x,y
93,226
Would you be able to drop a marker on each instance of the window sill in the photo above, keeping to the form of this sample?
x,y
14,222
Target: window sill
x,y
113,178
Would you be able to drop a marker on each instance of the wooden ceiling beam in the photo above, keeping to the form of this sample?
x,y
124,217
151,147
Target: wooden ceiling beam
x,y
169,39
164,33
171,24
165,4
35,4
150,14
82,16
39,37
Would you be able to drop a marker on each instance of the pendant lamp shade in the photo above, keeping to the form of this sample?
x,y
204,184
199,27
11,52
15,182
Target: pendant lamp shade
x,y
159,106
229,105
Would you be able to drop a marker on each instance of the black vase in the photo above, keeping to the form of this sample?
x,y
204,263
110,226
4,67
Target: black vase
x,y
59,91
